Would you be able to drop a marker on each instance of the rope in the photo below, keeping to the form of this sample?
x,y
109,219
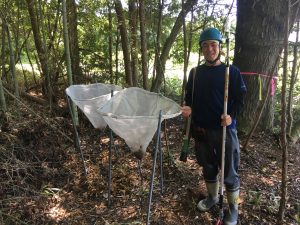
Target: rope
x,y
39,116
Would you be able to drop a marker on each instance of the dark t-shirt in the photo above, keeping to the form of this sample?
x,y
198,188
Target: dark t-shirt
x,y
208,100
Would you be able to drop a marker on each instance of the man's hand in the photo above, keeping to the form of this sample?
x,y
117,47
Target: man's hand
x,y
226,120
186,111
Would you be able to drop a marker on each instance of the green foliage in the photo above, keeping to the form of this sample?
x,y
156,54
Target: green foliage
x,y
24,77
49,191
177,53
93,39
173,87
254,197
297,215
277,105
93,34
215,20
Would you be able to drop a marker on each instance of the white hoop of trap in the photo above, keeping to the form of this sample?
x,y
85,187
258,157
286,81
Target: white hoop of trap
x,y
89,97
133,115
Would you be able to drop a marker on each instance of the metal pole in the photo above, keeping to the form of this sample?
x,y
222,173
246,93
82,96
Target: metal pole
x,y
110,162
77,141
153,166
161,167
110,167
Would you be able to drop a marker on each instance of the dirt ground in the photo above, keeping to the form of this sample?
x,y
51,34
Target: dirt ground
x,y
43,180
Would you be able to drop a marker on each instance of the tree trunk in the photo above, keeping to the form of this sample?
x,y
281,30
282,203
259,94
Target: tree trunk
x,y
259,41
38,42
117,58
284,146
124,41
133,31
54,32
292,83
26,86
2,65
187,43
185,60
143,44
12,63
160,67
110,42
68,59
157,42
44,31
295,133
30,62
3,106
73,36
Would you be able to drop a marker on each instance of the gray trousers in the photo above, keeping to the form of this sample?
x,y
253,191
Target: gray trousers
x,y
208,149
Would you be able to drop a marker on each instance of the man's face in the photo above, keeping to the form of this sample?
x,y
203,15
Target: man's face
x,y
210,49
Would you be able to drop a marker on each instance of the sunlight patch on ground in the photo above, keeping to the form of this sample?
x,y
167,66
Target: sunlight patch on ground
x,y
57,212
99,209
128,212
267,181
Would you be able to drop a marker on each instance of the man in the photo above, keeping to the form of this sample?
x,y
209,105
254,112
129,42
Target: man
x,y
206,106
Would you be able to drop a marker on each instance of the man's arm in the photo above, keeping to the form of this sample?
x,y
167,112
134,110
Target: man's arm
x,y
239,92
186,109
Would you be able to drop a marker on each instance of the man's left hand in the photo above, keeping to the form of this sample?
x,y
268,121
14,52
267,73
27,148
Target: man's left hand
x,y
226,120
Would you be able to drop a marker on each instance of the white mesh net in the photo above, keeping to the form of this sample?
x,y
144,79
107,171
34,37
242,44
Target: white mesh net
x,y
133,115
90,97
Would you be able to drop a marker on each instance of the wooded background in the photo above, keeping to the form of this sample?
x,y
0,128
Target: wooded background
x,y
130,43
48,45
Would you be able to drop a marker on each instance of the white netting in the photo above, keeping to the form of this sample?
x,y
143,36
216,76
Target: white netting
x,y
133,115
90,97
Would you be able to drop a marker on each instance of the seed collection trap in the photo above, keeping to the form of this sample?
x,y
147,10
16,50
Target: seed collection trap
x,y
134,114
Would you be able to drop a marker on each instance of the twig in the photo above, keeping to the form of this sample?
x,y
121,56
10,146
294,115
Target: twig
x,y
45,119
13,217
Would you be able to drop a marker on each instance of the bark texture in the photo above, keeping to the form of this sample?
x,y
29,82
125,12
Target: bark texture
x,y
259,42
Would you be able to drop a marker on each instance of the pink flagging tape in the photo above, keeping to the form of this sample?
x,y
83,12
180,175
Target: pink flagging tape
x,y
272,91
262,75
272,87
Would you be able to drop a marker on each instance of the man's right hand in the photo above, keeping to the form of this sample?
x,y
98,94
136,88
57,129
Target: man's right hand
x,y
186,111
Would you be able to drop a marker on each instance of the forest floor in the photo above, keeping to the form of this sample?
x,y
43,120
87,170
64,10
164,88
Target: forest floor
x,y
43,181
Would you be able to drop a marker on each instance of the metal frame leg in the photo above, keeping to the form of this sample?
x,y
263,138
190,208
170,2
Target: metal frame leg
x,y
161,168
153,166
110,162
77,141
110,168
